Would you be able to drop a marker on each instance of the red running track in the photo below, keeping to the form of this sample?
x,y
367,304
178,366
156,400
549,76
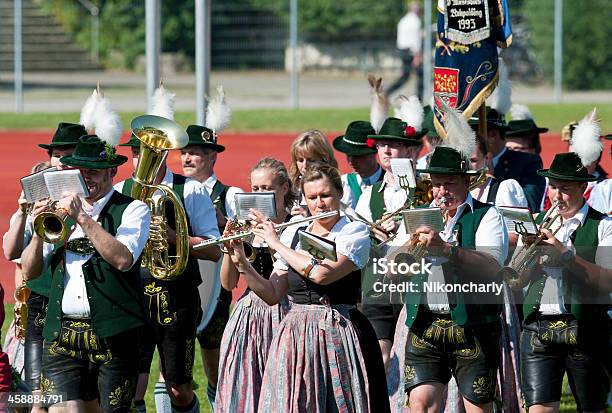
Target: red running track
x,y
243,150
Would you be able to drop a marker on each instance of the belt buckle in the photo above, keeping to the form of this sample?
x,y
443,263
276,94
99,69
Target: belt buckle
x,y
81,246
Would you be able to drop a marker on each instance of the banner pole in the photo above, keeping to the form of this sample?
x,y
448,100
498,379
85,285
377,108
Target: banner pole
x,y
482,120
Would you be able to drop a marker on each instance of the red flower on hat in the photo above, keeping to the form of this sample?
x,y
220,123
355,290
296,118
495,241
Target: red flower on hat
x,y
409,131
370,142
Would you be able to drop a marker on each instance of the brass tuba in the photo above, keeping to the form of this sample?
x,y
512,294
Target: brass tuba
x,y
157,136
50,225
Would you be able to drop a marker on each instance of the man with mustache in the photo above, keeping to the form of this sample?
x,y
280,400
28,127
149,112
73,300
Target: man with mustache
x,y
198,159
455,334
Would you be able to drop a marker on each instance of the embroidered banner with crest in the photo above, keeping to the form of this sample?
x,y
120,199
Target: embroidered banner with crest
x,y
466,64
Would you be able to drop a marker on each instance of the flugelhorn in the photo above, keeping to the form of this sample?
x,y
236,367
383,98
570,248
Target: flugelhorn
x,y
50,225
157,136
515,274
245,231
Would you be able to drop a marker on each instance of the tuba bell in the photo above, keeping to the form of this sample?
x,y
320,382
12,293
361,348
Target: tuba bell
x,y
157,136
50,225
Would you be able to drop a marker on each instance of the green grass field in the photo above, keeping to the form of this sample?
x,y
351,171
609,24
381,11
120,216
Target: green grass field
x,y
567,401
551,116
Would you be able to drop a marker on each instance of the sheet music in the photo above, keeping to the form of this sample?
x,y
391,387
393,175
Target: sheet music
x,y
403,169
264,202
316,246
34,186
67,180
431,217
522,216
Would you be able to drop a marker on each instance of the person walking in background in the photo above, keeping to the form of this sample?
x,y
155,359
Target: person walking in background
x,y
409,40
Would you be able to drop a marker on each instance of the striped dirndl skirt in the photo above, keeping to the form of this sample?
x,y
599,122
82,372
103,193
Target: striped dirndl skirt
x,y
244,351
324,359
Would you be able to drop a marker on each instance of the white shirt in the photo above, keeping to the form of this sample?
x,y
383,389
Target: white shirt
x,y
393,196
552,296
133,232
601,196
509,193
198,206
491,237
409,33
352,240
495,160
348,198
230,201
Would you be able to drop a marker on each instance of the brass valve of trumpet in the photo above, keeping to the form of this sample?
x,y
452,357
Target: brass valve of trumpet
x,y
50,225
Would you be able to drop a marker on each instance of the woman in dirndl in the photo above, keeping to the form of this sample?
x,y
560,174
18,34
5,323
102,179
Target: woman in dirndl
x,y
253,323
324,356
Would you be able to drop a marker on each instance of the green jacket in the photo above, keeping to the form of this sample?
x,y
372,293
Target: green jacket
x,y
576,293
465,311
115,297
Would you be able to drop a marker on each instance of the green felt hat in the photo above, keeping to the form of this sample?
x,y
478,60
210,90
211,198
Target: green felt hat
x,y
428,122
67,134
202,136
354,140
447,161
93,153
567,167
523,127
495,120
132,143
394,129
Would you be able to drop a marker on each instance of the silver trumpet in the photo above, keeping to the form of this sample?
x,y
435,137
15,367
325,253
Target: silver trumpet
x,y
245,231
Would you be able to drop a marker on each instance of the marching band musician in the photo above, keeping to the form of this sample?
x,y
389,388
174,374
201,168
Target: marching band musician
x,y
198,159
395,139
361,158
324,356
253,323
172,307
455,334
17,238
95,309
566,326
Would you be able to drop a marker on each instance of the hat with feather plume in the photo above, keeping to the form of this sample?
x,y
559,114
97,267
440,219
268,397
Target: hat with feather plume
x,y
406,126
587,147
218,116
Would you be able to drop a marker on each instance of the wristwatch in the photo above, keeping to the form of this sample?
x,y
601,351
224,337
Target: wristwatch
x,y
567,257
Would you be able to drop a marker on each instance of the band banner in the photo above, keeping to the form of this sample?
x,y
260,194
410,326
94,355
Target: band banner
x,y
466,62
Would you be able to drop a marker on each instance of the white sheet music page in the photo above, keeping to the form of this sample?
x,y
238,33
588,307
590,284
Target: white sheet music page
x,y
67,180
34,186
517,216
403,170
264,202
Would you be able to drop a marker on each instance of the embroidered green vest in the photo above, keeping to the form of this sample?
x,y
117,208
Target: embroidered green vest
x,y
377,201
115,297
463,310
218,195
585,243
192,271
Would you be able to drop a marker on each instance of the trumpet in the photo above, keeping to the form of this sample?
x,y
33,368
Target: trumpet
x,y
515,275
244,231
50,225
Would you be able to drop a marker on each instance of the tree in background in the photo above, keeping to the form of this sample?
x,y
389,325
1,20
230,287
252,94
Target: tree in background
x,y
587,58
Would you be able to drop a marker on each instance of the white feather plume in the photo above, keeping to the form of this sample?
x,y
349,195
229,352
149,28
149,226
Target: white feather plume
x,y
410,111
459,135
585,140
88,111
107,123
501,98
520,112
379,106
163,103
218,113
